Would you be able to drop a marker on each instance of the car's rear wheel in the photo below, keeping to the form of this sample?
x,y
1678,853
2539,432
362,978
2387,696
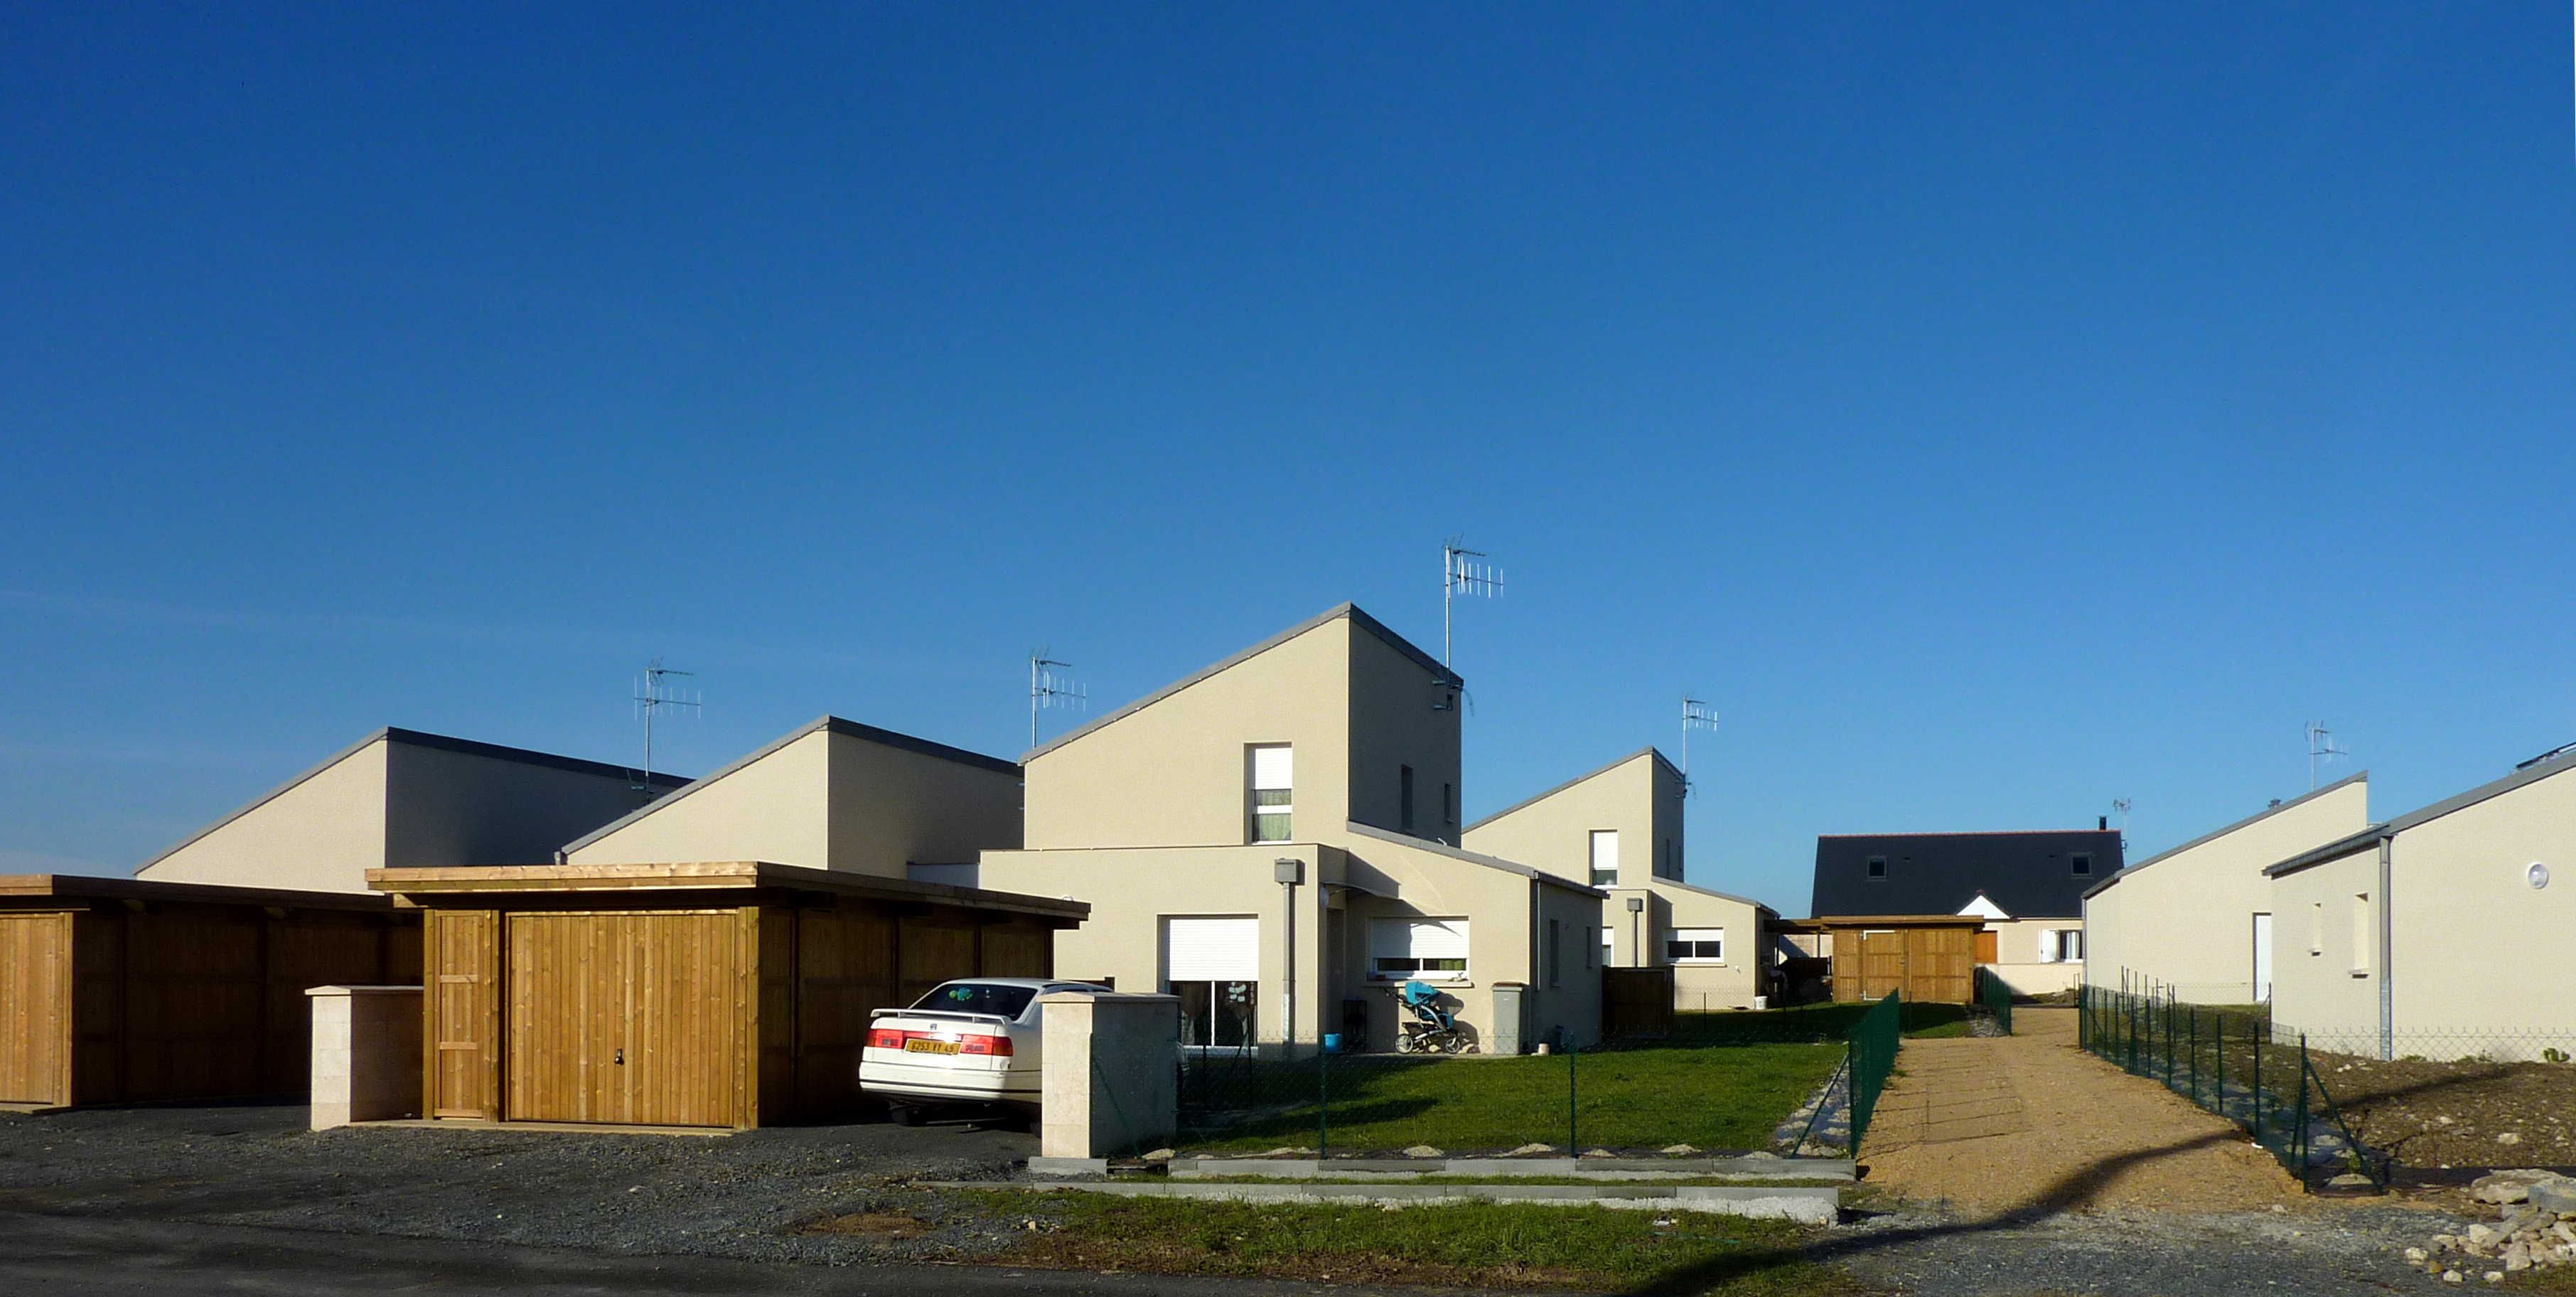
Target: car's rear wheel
x,y
903,1114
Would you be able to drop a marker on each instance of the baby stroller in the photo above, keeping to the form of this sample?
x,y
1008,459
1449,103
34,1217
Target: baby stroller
x,y
1433,1029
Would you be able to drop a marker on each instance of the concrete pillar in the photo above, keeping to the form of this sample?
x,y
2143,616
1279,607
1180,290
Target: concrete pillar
x,y
1111,1074
366,1053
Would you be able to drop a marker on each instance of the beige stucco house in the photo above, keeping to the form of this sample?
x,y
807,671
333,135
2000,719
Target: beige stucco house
x,y
2199,922
2443,933
1274,840
1620,829
834,794
401,798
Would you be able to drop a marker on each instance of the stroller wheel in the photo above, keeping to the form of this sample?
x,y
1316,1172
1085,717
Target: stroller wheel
x,y
1456,1044
1406,1043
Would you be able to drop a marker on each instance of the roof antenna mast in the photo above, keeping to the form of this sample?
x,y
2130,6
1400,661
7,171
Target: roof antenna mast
x,y
1460,573
1048,689
653,692
2321,745
1696,715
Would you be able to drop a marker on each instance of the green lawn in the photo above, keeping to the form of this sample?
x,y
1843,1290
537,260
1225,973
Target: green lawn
x,y
1722,1098
1481,1245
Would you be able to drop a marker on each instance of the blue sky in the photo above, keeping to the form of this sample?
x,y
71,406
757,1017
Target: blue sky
x,y
1994,410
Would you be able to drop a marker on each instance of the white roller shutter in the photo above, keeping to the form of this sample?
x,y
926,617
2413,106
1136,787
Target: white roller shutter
x,y
1274,767
1430,949
1211,950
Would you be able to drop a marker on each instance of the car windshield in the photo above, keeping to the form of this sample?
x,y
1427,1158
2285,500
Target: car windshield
x,y
979,997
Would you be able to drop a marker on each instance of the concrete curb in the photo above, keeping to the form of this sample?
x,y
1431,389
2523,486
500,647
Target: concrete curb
x,y
1814,1205
1589,1168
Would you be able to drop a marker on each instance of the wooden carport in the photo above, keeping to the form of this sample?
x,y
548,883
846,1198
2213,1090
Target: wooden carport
x,y
732,994
1930,958
117,990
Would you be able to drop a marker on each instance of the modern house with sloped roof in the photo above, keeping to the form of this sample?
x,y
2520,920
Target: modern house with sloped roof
x,y
833,794
2196,923
398,799
2028,887
2443,933
1620,829
1274,839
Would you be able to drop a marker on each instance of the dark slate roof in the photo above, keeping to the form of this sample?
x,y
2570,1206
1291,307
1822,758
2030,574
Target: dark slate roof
x,y
2028,874
1358,618
2541,767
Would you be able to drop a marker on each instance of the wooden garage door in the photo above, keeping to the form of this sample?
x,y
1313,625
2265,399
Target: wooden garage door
x,y
631,1018
1882,963
35,1008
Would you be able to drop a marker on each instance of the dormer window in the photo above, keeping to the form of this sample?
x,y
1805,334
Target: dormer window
x,y
2083,863
1273,789
1878,866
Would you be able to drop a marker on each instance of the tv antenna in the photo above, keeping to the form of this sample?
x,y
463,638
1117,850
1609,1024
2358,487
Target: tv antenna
x,y
1048,689
1696,715
653,692
2321,745
1460,573
2121,804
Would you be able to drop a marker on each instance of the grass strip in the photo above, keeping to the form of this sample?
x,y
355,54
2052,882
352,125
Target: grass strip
x,y
1481,1245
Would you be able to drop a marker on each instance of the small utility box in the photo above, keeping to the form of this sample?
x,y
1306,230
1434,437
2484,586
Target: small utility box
x,y
1111,1081
366,1054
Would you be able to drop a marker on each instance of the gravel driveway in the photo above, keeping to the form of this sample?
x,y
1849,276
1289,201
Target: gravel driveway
x,y
738,1196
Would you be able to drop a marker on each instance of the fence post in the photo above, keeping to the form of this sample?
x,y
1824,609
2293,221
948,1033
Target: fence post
x,y
2191,1019
2253,1033
2218,1055
2299,1134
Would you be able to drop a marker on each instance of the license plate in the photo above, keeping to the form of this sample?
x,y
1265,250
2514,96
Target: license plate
x,y
930,1047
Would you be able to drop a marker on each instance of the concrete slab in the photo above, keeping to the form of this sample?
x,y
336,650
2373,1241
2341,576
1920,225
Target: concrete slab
x,y
1068,1166
1811,1204
565,1127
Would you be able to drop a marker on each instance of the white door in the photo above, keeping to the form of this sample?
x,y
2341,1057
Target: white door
x,y
2263,959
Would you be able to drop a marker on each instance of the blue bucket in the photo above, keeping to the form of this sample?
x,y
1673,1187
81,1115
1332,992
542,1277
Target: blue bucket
x,y
1332,1042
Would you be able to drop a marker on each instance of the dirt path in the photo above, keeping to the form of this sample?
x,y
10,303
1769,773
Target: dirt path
x,y
2029,1123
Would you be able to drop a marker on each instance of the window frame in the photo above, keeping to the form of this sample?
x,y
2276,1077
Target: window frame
x,y
1256,812
1680,937
1462,975
1592,857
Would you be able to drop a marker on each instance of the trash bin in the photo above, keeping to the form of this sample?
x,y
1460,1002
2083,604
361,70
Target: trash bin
x,y
1332,1042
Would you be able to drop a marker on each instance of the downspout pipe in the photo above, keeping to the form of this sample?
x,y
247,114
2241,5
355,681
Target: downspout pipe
x,y
2387,950
1290,871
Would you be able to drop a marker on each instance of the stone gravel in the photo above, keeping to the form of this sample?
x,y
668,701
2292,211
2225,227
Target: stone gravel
x,y
742,1196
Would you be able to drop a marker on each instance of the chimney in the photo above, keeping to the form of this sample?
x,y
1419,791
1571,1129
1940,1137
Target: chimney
x,y
2102,823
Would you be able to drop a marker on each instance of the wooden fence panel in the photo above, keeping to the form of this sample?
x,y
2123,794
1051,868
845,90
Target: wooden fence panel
x,y
933,950
626,1017
35,1008
1636,1001
195,1002
845,961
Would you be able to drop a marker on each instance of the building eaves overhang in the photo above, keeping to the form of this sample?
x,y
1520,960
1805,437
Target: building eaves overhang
x,y
1831,922
37,891
408,884
1475,858
421,739
1677,885
2357,777
1535,798
1358,618
2532,774
825,724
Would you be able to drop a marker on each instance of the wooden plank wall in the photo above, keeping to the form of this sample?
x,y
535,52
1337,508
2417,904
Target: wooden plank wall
x,y
461,1013
1636,1001
35,1008
627,1017
1930,965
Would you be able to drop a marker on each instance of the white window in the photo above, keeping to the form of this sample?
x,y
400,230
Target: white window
x,y
2067,945
1605,857
1214,966
2048,945
1423,950
2361,942
1695,946
1607,936
1273,783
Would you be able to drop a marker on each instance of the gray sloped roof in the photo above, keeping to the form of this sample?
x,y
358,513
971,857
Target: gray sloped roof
x,y
2214,835
1473,858
421,739
2554,764
1358,618
833,724
1535,798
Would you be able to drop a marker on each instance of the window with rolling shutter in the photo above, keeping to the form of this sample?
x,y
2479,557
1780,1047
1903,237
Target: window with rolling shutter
x,y
1427,950
1695,946
1273,790
1211,950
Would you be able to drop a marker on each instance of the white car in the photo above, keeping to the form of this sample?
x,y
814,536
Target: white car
x,y
969,1043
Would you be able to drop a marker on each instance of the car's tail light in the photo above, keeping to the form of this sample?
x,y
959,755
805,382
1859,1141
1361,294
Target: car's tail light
x,y
997,1046
885,1039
